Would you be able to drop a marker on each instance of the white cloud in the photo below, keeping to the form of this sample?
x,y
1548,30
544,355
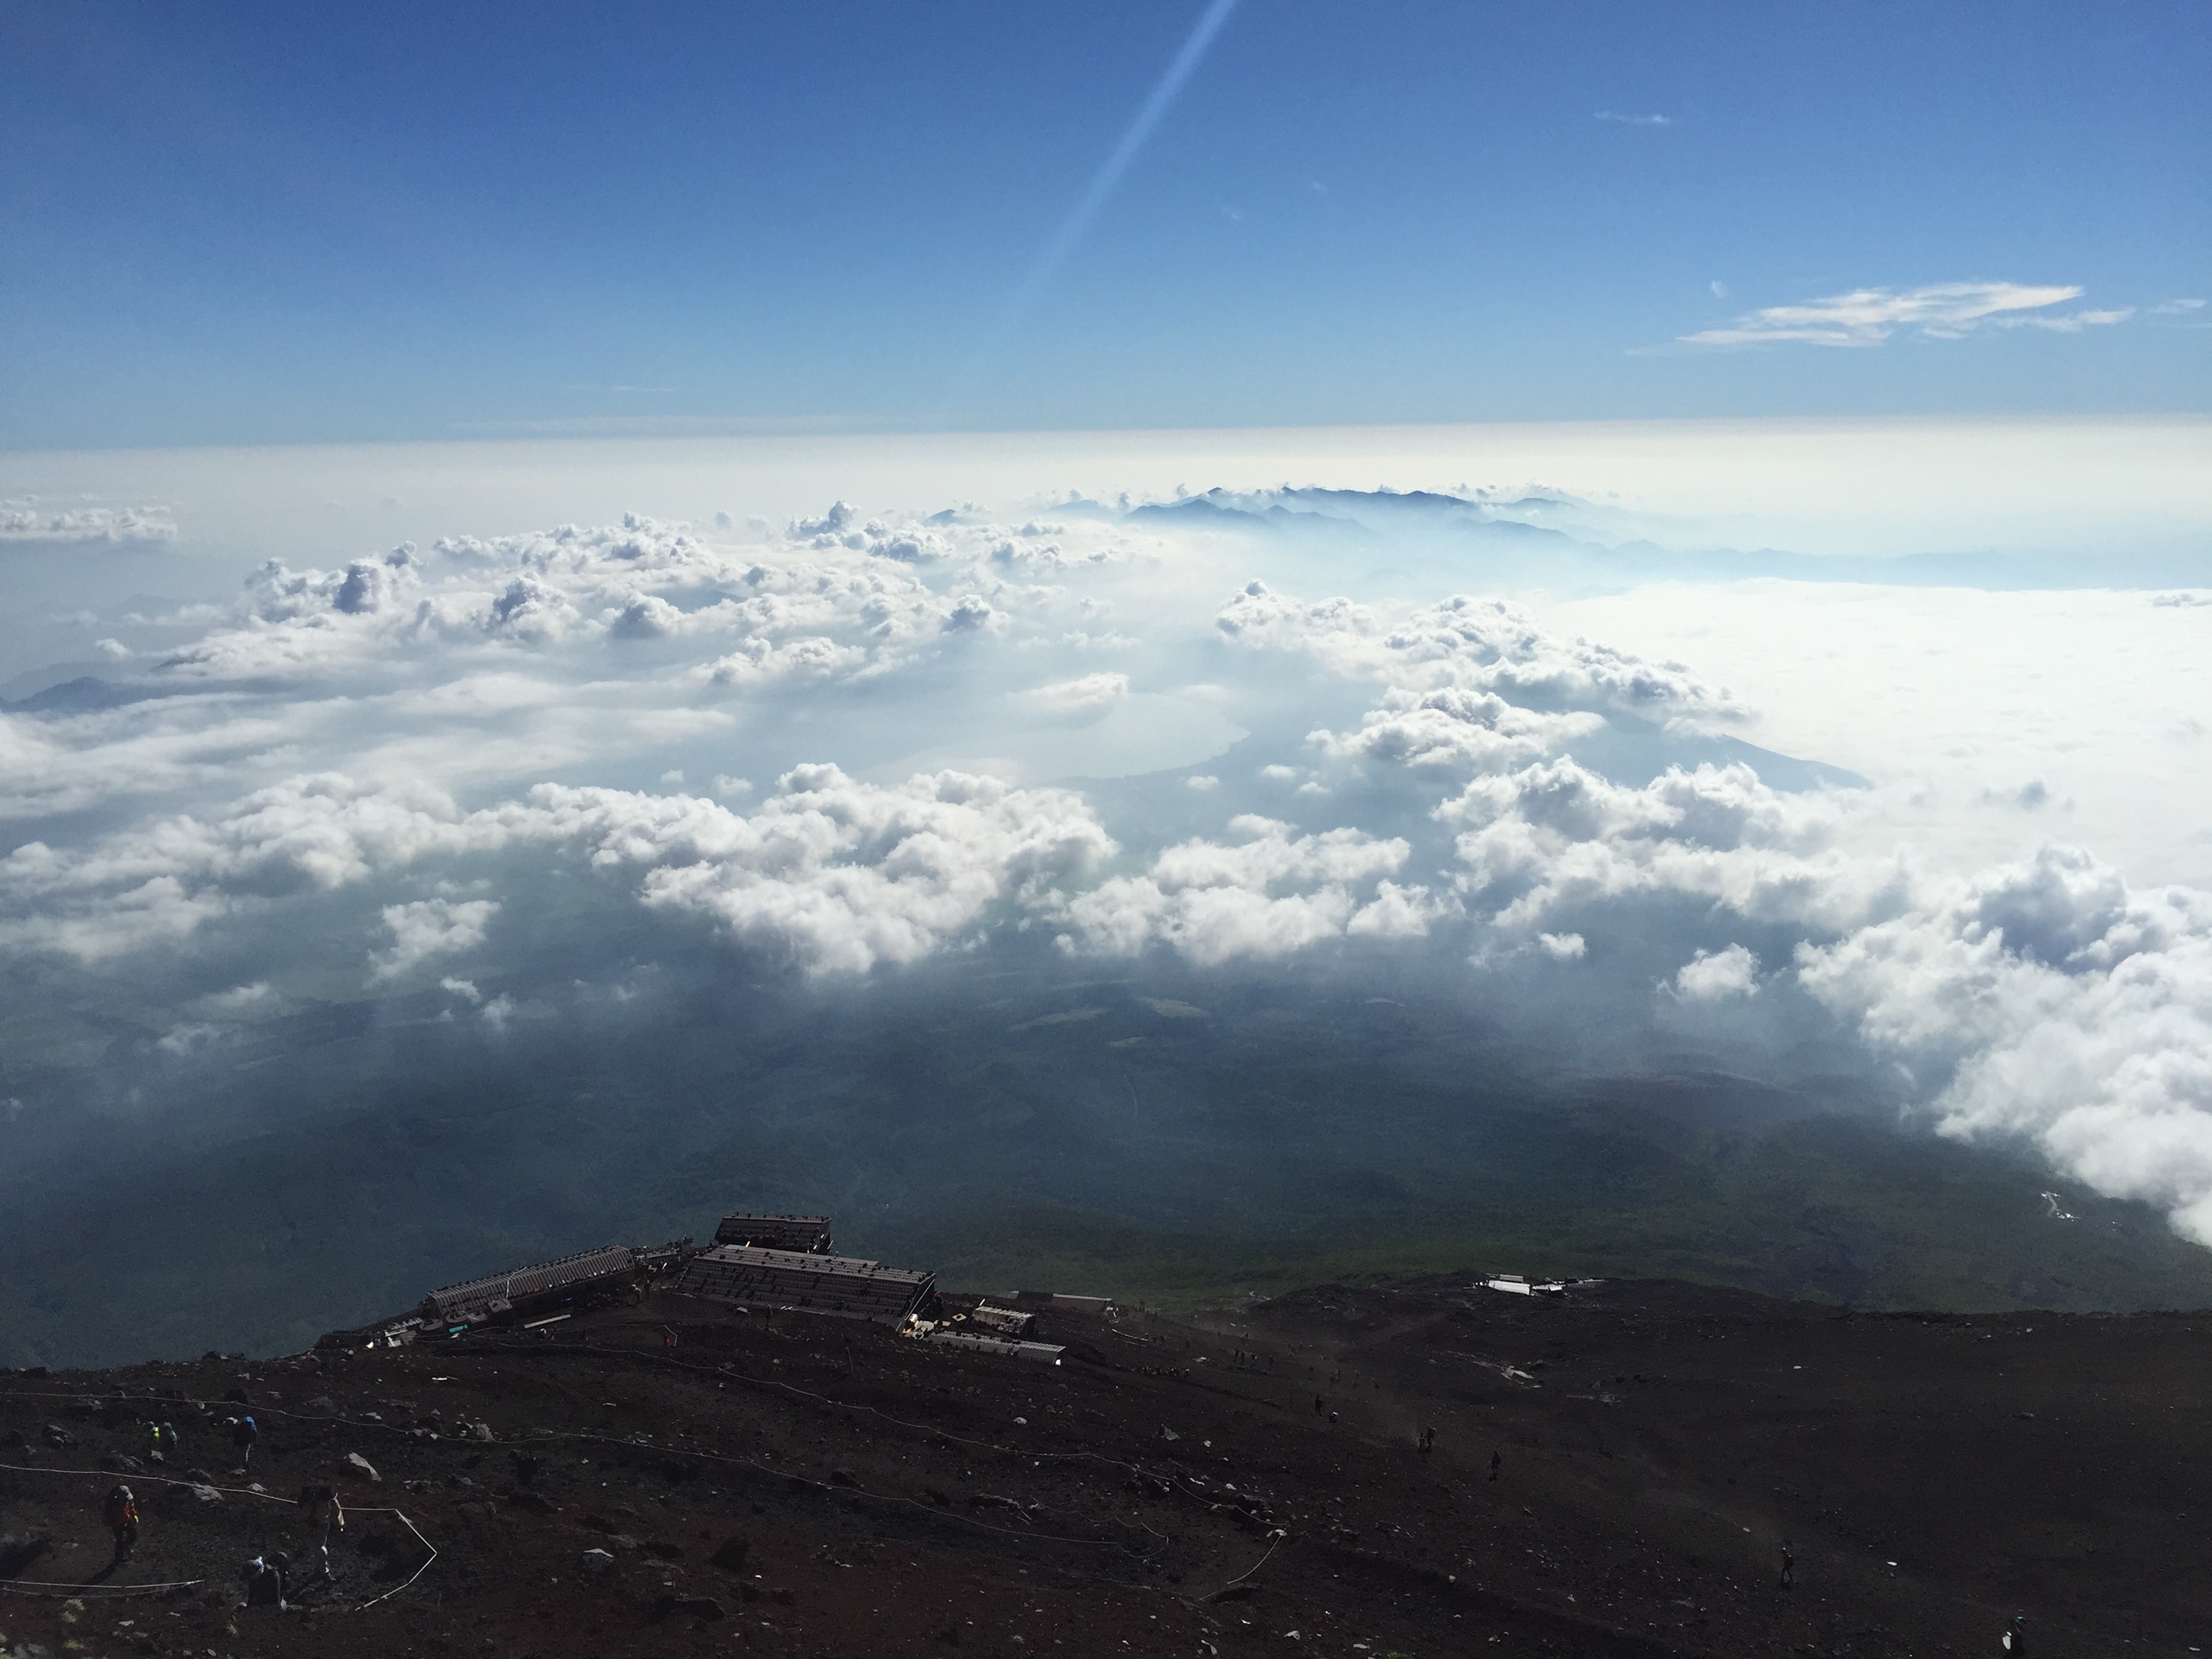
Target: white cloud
x,y
840,875
1556,833
191,1038
161,881
431,927
1634,120
1088,697
2045,999
1717,975
26,519
1472,731
343,732
243,1000
2071,323
1274,893
1475,647
1869,316
2177,307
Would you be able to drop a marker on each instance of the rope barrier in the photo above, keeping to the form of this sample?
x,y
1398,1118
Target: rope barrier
x,y
36,1586
412,1576
151,1480
241,1492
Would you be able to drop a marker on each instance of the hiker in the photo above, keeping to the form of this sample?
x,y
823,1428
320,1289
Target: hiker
x,y
121,1514
319,1512
1789,1566
265,1577
1428,1441
243,1433
2014,1641
165,1442
1319,1405
1496,1458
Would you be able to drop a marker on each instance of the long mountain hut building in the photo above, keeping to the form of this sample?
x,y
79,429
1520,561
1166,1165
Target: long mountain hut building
x,y
523,1290
843,1286
809,1235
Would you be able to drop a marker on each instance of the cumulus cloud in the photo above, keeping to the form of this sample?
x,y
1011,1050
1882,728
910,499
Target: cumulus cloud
x,y
1717,975
26,519
352,736
1088,697
431,927
1271,893
841,874
161,881
1476,731
1869,316
834,600
1556,833
2046,999
1481,647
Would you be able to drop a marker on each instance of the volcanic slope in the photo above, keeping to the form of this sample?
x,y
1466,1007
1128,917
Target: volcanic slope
x,y
1240,1484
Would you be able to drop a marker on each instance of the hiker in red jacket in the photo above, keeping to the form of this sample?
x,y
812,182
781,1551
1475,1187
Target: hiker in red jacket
x,y
121,1514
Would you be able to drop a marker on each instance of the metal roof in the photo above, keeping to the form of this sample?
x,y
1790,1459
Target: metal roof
x,y
846,1285
807,1233
540,1278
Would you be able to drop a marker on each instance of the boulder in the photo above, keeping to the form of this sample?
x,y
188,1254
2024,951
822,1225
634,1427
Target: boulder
x,y
731,1558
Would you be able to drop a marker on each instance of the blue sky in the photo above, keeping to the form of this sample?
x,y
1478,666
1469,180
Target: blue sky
x,y
249,224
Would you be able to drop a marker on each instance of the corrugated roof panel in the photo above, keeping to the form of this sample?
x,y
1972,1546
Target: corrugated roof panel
x,y
536,1279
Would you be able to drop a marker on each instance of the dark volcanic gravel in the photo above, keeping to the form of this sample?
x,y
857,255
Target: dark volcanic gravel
x,y
1243,1484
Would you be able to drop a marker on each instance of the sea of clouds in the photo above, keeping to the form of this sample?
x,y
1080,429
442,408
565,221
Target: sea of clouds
x,y
859,741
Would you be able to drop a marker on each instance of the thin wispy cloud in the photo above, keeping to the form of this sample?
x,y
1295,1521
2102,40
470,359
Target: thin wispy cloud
x,y
2177,307
2071,323
1937,311
1616,117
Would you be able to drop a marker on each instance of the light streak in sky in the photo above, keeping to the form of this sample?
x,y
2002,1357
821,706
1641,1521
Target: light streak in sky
x,y
1102,182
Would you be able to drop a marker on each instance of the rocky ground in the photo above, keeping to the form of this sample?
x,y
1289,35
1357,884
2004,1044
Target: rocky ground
x,y
675,1477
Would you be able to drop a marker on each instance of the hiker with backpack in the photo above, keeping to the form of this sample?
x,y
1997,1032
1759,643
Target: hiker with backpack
x,y
120,1513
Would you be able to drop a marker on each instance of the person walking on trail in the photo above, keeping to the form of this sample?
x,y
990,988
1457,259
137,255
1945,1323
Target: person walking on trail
x,y
1789,1566
243,1432
165,1443
1428,1441
265,1576
2014,1641
320,1513
1321,1406
1495,1459
120,1512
